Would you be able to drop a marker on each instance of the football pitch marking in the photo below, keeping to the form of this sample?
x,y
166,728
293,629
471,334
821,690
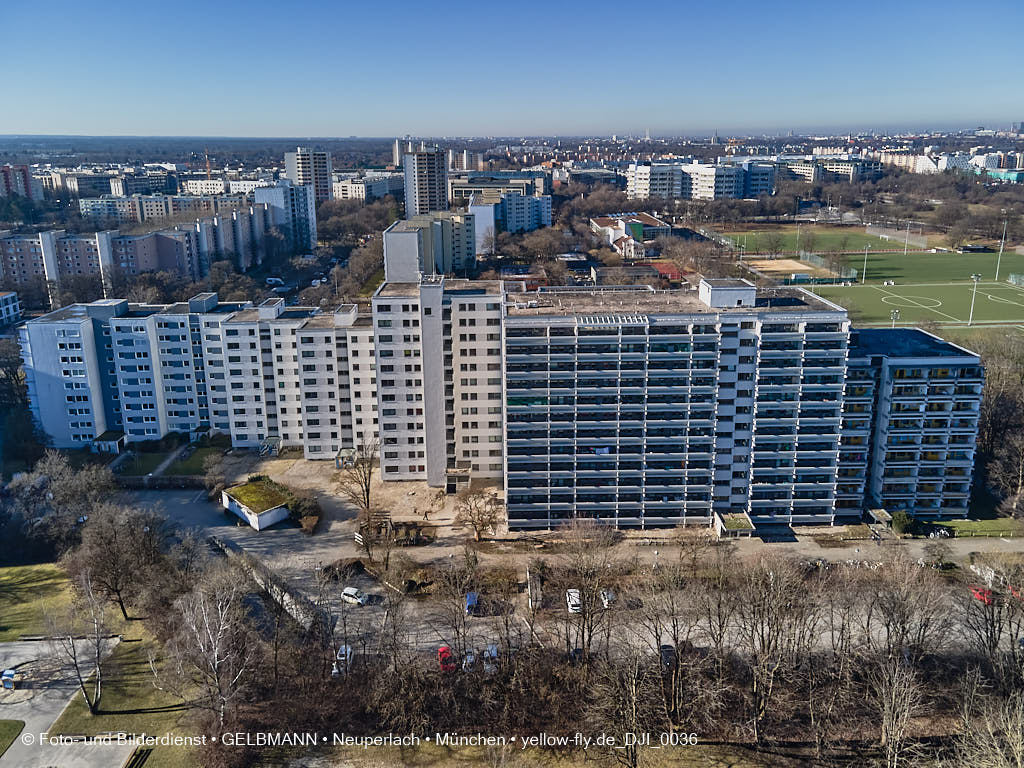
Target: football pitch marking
x,y
909,301
913,303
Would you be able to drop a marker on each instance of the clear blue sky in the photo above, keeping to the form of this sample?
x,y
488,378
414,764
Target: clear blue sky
x,y
340,68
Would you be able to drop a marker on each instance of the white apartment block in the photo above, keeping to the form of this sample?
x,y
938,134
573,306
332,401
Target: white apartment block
x,y
439,353
10,308
697,181
436,243
495,212
633,406
205,186
369,187
307,167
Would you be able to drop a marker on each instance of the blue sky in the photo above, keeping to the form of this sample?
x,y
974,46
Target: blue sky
x,y
322,68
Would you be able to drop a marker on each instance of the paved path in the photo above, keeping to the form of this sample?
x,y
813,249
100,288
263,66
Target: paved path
x,y
38,701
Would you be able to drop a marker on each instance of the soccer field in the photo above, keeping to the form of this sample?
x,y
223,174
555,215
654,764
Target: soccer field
x,y
819,238
943,303
935,267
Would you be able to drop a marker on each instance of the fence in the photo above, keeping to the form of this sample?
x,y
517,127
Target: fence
x,y
899,236
843,273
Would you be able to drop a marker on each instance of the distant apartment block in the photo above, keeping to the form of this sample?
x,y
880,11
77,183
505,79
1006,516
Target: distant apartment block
x,y
10,308
292,209
495,212
368,188
465,160
820,168
17,180
426,181
186,249
113,210
205,186
308,167
527,183
149,183
438,243
698,181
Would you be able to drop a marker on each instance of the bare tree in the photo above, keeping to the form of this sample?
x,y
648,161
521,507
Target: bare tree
x,y
992,735
78,637
1006,470
895,694
120,548
776,619
355,480
478,510
212,658
625,689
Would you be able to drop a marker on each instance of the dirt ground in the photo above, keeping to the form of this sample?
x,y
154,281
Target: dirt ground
x,y
786,267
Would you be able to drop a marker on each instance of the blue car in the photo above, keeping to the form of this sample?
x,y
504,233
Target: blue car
x,y
472,603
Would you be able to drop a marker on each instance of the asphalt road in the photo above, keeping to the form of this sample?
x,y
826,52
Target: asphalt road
x,y
39,700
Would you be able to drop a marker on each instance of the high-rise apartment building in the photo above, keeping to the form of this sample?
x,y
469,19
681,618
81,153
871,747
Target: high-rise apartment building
x,y
465,160
910,422
18,180
292,210
437,243
426,181
699,181
308,167
626,404
495,212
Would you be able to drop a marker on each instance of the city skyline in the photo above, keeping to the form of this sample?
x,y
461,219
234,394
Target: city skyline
x,y
567,82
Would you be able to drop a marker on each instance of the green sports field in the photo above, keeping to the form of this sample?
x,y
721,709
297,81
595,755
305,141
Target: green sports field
x,y
943,303
933,287
819,238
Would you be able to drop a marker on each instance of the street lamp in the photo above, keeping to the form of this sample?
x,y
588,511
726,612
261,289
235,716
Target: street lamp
x,y
975,277
864,272
895,315
1002,243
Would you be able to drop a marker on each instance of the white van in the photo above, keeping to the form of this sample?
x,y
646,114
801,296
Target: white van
x,y
573,602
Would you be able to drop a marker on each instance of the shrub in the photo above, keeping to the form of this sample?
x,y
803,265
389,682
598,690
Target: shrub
x,y
901,521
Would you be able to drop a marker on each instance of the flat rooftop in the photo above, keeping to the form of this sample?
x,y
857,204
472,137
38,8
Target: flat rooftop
x,y
644,300
902,342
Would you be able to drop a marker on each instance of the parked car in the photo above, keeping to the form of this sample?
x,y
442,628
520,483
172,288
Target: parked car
x,y
354,596
472,604
344,657
668,656
490,659
573,602
274,281
445,659
469,661
607,598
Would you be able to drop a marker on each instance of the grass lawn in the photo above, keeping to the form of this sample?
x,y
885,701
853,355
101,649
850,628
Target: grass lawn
x,y
822,238
372,282
998,526
27,592
130,702
142,463
943,303
193,465
258,496
9,730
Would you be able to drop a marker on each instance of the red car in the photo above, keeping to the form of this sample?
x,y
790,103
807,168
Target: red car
x,y
445,659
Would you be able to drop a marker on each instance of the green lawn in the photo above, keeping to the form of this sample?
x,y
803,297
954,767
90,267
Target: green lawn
x,y
999,526
258,496
371,284
822,238
193,465
142,463
131,703
948,303
27,593
9,730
